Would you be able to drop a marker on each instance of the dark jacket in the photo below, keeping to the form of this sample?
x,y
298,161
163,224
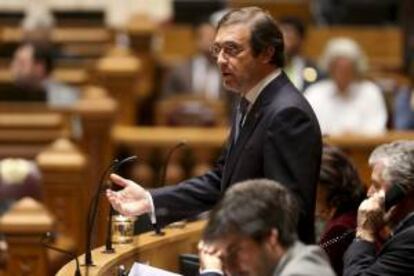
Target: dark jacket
x,y
280,140
396,257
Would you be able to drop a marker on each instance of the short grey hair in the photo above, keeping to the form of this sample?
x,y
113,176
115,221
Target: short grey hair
x,y
398,160
347,48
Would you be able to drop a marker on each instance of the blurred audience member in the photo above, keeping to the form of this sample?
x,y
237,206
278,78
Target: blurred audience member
x,y
38,22
31,67
339,194
346,102
388,210
199,75
18,178
252,231
300,70
404,109
118,13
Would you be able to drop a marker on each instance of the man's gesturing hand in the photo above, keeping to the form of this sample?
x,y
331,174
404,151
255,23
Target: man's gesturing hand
x,y
132,200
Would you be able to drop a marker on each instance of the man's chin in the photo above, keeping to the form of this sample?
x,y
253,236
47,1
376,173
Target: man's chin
x,y
230,88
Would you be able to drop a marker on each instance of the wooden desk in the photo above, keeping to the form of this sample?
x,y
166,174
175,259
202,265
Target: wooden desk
x,y
71,76
62,35
141,139
358,148
158,251
169,136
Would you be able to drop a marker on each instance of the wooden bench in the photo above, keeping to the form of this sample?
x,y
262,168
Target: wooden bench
x,y
205,143
382,45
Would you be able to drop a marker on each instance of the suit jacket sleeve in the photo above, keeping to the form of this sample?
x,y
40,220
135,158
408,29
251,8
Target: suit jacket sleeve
x,y
395,258
189,197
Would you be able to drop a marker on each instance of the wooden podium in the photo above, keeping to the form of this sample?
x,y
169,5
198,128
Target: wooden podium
x,y
157,251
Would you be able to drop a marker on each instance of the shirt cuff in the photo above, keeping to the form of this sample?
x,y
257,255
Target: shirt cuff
x,y
151,212
216,271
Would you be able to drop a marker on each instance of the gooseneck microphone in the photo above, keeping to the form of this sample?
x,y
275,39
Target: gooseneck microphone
x,y
108,242
93,207
45,242
163,177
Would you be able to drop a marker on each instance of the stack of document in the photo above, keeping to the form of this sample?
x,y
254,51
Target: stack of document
x,y
146,270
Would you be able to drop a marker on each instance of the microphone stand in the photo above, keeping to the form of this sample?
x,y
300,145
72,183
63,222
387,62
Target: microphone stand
x,y
93,207
71,254
163,177
108,243
92,215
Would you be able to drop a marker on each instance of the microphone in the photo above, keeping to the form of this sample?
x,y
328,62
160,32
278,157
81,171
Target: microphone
x,y
93,207
163,177
44,241
108,242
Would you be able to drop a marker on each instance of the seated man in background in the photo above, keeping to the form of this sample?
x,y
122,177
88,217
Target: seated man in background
x,y
31,67
346,102
339,193
252,231
200,74
392,174
300,70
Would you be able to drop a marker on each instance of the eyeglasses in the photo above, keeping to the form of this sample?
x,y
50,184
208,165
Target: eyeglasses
x,y
230,49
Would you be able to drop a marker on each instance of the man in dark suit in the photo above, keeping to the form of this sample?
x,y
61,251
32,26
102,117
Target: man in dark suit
x,y
275,134
392,174
252,231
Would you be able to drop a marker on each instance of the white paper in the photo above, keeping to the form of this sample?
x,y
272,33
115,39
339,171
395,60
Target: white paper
x,y
146,270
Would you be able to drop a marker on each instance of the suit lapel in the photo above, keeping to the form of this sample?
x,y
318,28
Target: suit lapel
x,y
252,120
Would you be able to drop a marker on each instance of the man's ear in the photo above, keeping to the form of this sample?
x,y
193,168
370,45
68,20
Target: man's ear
x,y
267,55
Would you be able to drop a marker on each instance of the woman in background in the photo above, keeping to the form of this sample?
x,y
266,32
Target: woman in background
x,y
339,193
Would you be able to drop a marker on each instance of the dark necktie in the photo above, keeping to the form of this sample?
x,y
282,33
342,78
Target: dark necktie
x,y
241,116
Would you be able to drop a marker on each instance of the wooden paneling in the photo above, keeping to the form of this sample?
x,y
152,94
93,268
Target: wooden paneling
x,y
66,190
24,225
382,45
279,8
26,129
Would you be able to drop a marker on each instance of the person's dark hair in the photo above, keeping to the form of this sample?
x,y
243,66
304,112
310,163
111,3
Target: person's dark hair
x,y
42,53
252,209
264,31
294,22
339,177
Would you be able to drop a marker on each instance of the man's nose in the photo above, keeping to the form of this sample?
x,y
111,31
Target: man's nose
x,y
221,58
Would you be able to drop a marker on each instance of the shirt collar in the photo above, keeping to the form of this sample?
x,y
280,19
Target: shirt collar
x,y
284,260
253,93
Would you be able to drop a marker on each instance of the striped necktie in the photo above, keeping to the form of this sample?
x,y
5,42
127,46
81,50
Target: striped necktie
x,y
241,116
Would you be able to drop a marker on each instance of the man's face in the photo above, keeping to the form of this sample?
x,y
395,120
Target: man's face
x,y
235,58
291,39
205,37
377,181
23,65
242,256
342,71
